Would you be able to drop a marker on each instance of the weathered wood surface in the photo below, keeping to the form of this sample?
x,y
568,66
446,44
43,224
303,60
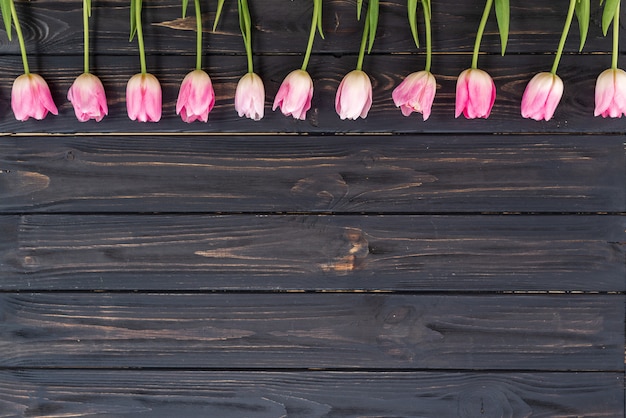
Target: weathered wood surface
x,y
346,174
318,268
295,330
248,252
308,394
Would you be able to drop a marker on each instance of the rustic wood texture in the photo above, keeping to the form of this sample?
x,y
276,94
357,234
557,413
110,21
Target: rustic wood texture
x,y
248,252
308,394
319,268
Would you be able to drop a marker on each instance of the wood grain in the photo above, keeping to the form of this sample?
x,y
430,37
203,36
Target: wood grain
x,y
380,253
311,394
511,74
296,330
337,174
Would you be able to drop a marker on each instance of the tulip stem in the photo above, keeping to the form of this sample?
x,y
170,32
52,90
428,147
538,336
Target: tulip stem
x,y
615,38
86,36
244,24
198,34
425,4
314,26
359,63
142,49
568,23
480,32
20,37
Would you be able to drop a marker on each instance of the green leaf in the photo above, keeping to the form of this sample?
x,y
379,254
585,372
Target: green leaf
x,y
185,4
412,11
5,8
220,6
133,18
87,5
582,9
359,6
372,21
245,23
503,15
608,14
318,5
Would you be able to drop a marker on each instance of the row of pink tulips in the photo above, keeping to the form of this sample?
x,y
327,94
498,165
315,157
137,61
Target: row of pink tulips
x,y
475,96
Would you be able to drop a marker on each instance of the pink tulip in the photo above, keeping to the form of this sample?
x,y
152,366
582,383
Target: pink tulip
x,y
88,98
611,93
354,96
542,96
475,94
196,97
143,98
30,97
250,97
416,93
294,95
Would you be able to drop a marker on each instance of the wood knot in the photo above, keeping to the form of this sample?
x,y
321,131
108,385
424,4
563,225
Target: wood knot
x,y
492,401
354,252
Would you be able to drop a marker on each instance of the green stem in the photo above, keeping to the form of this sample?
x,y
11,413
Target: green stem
x,y
479,33
359,63
615,38
568,23
309,47
198,35
86,37
20,37
243,4
428,35
142,49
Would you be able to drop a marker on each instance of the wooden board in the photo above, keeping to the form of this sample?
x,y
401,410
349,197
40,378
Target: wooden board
x,y
132,393
304,331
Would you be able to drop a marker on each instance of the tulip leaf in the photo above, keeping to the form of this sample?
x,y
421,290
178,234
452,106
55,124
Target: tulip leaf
x,y
133,17
582,9
412,10
5,8
372,21
185,4
218,13
359,6
610,7
503,16
318,6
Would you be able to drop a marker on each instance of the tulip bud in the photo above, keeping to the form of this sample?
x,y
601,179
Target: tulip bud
x,y
475,94
611,93
196,97
31,97
542,96
294,95
250,97
143,98
88,98
354,96
416,93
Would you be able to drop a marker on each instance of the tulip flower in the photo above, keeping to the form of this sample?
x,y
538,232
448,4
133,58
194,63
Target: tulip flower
x,y
354,96
542,95
250,97
611,93
294,95
143,98
30,97
88,98
475,94
416,93
196,97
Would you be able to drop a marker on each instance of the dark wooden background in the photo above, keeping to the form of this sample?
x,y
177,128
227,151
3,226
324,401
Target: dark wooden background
x,y
386,267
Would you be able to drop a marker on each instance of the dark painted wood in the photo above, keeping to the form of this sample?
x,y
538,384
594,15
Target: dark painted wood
x,y
391,174
247,252
511,74
130,393
295,330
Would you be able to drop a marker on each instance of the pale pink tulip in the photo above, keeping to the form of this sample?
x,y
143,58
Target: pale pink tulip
x,y
294,95
354,96
88,98
196,97
542,95
143,98
30,97
611,93
475,94
250,97
416,93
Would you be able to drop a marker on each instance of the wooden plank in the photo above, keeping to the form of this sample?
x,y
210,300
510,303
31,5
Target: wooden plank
x,y
380,174
511,74
248,252
130,393
55,27
297,330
